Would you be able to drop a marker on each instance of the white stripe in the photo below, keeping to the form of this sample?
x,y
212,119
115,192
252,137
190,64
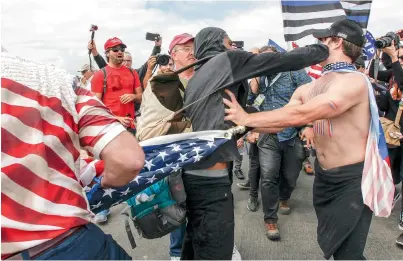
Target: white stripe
x,y
87,173
204,135
9,223
33,136
32,201
39,167
47,114
313,15
113,130
352,6
297,30
14,247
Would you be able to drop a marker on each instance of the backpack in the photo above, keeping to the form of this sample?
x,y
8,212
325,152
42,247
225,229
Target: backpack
x,y
158,210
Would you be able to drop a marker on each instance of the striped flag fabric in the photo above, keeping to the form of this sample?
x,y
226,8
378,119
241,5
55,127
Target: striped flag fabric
x,y
163,156
315,71
301,18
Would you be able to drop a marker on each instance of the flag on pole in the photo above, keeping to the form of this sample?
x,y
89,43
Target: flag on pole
x,y
301,18
163,156
274,44
369,48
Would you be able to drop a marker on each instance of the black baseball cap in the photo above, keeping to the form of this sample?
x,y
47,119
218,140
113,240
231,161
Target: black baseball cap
x,y
347,29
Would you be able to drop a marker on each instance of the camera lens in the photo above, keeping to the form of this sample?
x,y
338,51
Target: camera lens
x,y
163,59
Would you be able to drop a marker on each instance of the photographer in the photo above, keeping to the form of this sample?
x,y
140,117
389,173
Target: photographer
x,y
140,71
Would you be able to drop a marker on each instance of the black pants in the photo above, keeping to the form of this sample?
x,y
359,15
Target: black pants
x,y
238,164
280,164
210,228
254,170
395,156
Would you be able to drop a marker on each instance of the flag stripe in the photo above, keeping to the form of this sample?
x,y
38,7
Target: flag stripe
x,y
307,3
311,8
299,23
323,14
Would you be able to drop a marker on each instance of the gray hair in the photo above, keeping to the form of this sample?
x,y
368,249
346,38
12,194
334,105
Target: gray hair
x,y
127,54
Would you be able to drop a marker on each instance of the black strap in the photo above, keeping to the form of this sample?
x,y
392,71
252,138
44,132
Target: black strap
x,y
104,71
128,229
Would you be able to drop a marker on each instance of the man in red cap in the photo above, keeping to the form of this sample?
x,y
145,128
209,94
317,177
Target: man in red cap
x,y
118,87
181,51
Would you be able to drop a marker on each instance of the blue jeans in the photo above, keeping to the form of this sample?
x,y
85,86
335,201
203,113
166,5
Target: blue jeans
x,y
176,236
89,243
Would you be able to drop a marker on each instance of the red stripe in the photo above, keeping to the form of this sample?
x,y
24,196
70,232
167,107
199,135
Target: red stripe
x,y
15,211
14,147
95,120
99,167
83,92
314,75
29,116
53,103
90,140
54,193
316,67
15,235
93,103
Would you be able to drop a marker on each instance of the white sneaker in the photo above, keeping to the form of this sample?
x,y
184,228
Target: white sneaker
x,y
102,216
175,258
235,254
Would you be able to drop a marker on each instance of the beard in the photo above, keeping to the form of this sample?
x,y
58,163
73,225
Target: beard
x,y
117,60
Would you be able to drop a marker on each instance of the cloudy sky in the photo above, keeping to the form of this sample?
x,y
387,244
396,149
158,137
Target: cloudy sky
x,y
58,31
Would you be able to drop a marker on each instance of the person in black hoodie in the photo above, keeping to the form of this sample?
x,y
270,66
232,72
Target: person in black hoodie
x,y
210,228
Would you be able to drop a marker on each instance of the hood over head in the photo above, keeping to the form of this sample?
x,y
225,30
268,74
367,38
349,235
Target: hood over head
x,y
209,41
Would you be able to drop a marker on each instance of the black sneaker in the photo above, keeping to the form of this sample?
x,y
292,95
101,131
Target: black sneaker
x,y
401,221
245,185
399,240
253,204
239,174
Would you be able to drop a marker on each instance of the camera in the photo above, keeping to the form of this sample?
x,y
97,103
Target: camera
x,y
386,41
162,59
152,37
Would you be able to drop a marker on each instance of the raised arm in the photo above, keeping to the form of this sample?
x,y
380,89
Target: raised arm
x,y
334,102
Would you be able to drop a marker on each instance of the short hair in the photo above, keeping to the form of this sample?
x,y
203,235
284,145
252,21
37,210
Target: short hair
x,y
349,49
267,47
127,54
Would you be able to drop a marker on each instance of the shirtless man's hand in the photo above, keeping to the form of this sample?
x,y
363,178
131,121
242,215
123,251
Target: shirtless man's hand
x,y
337,103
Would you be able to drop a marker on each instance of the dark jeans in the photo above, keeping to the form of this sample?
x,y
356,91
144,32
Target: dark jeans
x,y
280,164
238,164
395,156
254,170
176,238
89,243
210,228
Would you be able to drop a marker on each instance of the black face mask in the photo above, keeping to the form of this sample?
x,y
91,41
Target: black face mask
x,y
208,42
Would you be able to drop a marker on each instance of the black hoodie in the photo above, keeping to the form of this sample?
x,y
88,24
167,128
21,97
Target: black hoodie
x,y
231,68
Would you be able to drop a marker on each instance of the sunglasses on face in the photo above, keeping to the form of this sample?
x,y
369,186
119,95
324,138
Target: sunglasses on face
x,y
401,57
117,49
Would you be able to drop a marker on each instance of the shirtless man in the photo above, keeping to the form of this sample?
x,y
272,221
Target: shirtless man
x,y
338,105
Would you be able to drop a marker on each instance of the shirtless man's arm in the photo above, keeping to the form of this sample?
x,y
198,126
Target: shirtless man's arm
x,y
337,100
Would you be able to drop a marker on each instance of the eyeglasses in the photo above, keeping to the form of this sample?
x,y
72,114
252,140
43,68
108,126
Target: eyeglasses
x,y
185,49
117,49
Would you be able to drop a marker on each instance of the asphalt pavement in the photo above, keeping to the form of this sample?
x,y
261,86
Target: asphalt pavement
x,y
298,231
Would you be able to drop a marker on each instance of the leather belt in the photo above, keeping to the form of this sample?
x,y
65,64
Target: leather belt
x,y
219,166
35,251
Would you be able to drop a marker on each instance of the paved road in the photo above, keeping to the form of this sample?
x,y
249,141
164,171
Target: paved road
x,y
298,232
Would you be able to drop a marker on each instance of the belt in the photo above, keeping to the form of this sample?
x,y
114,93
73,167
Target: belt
x,y
219,166
40,249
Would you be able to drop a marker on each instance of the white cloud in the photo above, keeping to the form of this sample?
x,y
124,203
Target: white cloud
x,y
58,31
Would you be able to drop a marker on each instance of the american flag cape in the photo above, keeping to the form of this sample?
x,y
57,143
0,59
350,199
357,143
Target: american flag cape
x,y
377,182
163,155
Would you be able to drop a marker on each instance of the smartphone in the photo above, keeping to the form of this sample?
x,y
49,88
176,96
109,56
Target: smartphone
x,y
152,37
238,44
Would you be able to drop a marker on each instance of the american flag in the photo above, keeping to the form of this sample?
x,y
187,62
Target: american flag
x,y
377,182
315,71
163,156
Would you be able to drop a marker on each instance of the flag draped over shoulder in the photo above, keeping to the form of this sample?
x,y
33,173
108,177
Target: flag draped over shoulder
x,y
163,156
301,18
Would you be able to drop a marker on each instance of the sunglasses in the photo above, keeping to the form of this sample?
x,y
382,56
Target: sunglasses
x,y
401,57
117,49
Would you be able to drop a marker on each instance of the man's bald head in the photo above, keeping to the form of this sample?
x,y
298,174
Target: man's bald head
x,y
254,50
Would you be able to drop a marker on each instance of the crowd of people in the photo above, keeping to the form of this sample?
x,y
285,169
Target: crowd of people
x,y
291,116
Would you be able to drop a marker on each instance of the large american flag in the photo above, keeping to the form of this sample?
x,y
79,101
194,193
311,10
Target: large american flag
x,y
163,156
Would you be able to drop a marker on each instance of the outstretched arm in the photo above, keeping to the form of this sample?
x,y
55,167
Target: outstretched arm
x,y
334,102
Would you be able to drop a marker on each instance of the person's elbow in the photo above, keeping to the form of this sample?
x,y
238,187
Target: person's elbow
x,y
124,159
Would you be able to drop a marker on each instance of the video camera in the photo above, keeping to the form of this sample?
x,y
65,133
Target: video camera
x,y
153,37
386,41
162,59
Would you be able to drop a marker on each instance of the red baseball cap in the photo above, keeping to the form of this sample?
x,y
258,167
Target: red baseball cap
x,y
180,39
112,42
